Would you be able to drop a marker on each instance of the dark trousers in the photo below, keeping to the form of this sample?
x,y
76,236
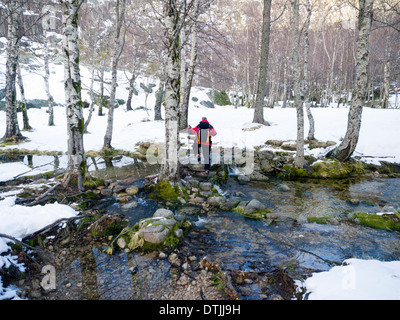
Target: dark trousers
x,y
206,151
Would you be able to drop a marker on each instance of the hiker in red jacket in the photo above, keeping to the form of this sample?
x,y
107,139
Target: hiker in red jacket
x,y
203,132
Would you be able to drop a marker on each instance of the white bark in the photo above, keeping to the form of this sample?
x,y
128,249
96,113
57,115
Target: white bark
x,y
263,66
76,168
299,158
14,12
311,129
170,167
45,26
23,100
349,143
186,85
120,13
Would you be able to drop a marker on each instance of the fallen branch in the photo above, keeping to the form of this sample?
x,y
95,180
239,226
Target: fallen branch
x,y
37,200
46,164
39,251
21,243
55,223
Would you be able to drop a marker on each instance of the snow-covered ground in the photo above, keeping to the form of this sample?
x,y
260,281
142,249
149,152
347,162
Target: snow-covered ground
x,y
356,279
19,221
379,140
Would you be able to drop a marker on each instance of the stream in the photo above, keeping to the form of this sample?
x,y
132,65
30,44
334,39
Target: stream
x,y
237,243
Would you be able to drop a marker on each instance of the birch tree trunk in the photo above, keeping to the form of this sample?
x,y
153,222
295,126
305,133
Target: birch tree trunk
x,y
120,13
131,91
285,80
299,158
263,69
25,118
76,169
187,85
160,93
91,92
46,25
386,74
170,167
14,12
349,143
311,129
101,94
386,85
131,80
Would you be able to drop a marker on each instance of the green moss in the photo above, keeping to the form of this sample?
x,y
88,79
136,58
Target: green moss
x,y
87,220
92,153
385,222
217,281
257,215
322,220
337,169
93,182
135,242
164,191
325,170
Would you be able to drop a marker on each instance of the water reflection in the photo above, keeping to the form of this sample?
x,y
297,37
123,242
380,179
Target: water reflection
x,y
92,274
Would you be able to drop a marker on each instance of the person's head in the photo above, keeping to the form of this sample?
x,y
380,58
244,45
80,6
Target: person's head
x,y
204,118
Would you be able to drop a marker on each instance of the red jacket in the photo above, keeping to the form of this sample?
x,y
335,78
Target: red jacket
x,y
203,131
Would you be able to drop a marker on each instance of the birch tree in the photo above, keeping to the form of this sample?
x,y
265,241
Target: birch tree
x,y
46,27
76,169
187,84
14,13
311,129
344,151
24,110
170,166
299,158
120,14
263,68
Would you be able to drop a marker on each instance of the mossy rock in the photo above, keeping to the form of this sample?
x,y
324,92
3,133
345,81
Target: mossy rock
x,y
134,239
164,191
337,169
326,170
389,222
322,220
257,215
93,182
292,172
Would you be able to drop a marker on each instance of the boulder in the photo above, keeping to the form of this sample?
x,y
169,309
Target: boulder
x,y
165,213
169,223
284,188
206,186
124,198
189,210
243,179
154,233
228,205
132,190
216,201
205,194
253,206
129,205
106,192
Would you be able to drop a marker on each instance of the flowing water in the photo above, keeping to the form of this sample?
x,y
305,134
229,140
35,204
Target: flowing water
x,y
240,244
237,243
